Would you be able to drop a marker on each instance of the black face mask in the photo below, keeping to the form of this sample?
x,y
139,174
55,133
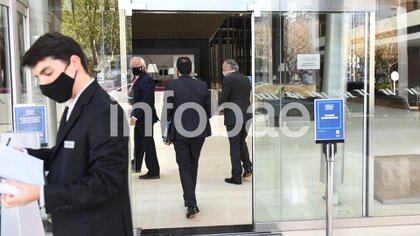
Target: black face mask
x,y
136,70
61,89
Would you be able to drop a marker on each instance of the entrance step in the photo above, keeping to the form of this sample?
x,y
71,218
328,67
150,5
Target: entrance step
x,y
234,230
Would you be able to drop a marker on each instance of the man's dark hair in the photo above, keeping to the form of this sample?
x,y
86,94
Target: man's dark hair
x,y
184,65
57,46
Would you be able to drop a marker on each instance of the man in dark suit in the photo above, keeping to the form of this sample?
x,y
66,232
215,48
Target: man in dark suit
x,y
236,90
143,91
190,115
87,184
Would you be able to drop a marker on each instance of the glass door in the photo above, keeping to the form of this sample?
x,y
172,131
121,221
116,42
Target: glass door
x,y
5,75
24,84
394,161
301,56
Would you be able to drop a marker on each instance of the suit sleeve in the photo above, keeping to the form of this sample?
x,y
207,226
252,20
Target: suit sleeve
x,y
43,154
143,94
107,163
226,89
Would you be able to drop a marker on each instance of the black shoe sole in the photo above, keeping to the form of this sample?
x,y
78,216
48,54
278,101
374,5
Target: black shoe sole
x,y
151,177
231,182
192,216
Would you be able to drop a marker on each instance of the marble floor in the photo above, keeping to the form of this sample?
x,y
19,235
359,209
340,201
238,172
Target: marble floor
x,y
159,203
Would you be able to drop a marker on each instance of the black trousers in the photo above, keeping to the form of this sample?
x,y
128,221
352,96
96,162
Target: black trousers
x,y
145,146
187,156
239,153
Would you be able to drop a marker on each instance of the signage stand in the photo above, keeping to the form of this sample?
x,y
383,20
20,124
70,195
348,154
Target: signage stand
x,y
329,150
329,130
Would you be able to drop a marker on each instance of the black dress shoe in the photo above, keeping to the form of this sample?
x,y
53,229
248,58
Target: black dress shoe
x,y
149,176
233,181
191,212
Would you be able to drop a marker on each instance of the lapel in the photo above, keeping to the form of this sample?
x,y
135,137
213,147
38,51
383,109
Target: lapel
x,y
75,114
138,83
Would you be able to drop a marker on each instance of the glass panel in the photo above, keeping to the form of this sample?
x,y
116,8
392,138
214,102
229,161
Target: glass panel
x,y
40,22
302,56
22,83
5,82
395,171
95,25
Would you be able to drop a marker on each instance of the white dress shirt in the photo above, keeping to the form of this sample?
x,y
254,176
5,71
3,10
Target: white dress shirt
x,y
71,103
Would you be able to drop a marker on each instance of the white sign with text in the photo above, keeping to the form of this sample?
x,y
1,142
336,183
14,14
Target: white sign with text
x,y
308,61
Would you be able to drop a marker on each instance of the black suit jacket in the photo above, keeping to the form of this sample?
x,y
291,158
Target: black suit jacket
x,y
87,183
236,89
187,89
144,91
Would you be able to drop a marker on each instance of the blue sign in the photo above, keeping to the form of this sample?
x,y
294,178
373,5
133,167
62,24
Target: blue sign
x,y
329,120
31,119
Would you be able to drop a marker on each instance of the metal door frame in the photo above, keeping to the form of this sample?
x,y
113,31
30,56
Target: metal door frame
x,y
143,8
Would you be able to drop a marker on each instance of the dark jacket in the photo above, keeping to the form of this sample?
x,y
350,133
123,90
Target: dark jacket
x,y
236,89
144,92
186,90
87,184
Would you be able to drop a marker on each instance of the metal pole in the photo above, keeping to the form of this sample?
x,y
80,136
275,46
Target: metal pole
x,y
330,153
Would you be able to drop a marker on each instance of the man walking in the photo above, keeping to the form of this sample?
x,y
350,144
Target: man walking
x,y
191,98
236,89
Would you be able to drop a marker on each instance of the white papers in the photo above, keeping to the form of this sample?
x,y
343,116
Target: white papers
x,y
19,166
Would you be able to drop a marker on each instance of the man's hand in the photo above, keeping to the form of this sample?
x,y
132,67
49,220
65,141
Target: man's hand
x,y
133,121
28,193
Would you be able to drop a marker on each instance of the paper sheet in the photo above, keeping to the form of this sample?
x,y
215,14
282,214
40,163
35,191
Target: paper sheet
x,y
19,166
